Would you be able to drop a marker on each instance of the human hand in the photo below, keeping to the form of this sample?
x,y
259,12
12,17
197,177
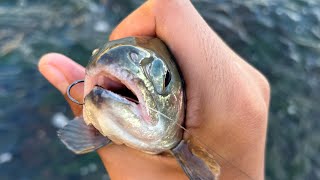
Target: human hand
x,y
227,99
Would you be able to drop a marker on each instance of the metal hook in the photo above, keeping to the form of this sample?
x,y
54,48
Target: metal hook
x,y
69,89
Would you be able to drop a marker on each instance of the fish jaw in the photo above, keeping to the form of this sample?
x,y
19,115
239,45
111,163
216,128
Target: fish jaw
x,y
114,115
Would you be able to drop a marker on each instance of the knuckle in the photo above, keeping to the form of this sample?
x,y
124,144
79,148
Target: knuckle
x,y
252,99
265,87
255,115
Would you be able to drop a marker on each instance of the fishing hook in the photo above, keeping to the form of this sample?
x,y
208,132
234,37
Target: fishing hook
x,y
69,89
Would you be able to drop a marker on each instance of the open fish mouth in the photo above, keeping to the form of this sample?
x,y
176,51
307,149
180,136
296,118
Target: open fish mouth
x,y
122,87
110,83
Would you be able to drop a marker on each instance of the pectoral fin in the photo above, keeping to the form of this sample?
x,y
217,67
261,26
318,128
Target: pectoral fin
x,y
195,167
81,138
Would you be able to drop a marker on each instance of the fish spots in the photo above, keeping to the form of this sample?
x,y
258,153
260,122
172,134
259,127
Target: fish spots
x,y
94,52
98,96
134,57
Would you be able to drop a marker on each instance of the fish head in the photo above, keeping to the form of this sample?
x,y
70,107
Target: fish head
x,y
134,94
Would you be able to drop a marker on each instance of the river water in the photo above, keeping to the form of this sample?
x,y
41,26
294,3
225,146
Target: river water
x,y
279,37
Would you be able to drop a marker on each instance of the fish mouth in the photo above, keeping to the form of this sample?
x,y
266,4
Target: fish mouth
x,y
124,85
116,86
113,84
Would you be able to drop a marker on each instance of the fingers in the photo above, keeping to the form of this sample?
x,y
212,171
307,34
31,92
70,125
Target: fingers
x,y
179,25
139,23
119,159
61,71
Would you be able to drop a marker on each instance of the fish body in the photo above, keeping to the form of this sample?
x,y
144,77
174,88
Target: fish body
x,y
145,67
134,95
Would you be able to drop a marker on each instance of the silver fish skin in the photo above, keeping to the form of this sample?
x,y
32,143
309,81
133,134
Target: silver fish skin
x,y
144,66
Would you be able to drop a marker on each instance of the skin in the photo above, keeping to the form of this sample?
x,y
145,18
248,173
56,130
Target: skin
x,y
227,98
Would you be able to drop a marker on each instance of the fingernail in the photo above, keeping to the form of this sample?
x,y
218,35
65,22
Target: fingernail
x,y
53,75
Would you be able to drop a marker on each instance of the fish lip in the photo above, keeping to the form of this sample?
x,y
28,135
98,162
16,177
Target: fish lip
x,y
93,74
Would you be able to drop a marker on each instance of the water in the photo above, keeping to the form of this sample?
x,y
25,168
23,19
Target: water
x,y
279,37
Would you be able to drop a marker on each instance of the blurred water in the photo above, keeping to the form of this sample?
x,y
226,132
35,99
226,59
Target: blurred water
x,y
279,37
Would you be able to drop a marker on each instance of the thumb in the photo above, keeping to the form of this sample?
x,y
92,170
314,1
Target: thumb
x,y
61,71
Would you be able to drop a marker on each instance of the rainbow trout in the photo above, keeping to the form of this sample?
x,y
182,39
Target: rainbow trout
x,y
134,95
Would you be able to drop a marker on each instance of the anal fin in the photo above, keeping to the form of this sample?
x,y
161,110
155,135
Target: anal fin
x,y
81,138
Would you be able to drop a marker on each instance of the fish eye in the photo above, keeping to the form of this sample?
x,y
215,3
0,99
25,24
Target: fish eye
x,y
157,72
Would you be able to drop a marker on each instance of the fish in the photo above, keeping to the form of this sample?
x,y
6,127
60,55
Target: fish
x,y
135,95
